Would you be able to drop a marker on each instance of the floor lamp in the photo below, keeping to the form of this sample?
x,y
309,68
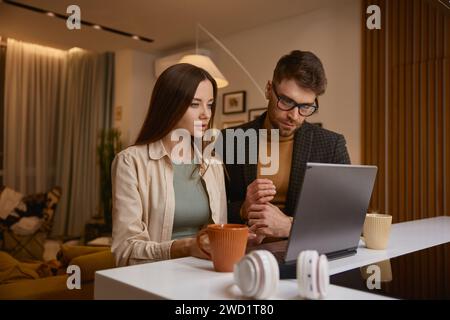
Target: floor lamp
x,y
206,63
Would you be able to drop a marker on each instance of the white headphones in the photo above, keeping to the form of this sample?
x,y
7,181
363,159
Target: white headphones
x,y
312,275
257,274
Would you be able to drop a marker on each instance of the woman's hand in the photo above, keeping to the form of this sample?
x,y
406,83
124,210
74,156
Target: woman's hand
x,y
186,247
189,247
194,249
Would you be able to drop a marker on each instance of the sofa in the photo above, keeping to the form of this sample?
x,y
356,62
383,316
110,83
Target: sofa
x,y
48,280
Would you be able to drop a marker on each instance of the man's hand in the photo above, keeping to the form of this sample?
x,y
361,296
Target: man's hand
x,y
253,238
260,191
267,220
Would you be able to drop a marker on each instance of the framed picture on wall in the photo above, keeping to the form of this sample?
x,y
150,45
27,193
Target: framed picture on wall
x,y
255,113
234,102
229,124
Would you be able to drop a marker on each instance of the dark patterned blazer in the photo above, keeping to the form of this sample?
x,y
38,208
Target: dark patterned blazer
x,y
311,144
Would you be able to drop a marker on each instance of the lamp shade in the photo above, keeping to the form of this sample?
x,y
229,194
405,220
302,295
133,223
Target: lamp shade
x,y
206,63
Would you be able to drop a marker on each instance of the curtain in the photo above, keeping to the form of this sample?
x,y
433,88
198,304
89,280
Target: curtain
x,y
88,105
55,104
32,97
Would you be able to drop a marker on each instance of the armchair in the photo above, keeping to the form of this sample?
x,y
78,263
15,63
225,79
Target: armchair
x,y
39,280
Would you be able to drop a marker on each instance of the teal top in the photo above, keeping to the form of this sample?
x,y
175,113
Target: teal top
x,y
191,201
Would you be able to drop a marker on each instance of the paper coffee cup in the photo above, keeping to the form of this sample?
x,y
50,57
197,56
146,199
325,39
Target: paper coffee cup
x,y
377,228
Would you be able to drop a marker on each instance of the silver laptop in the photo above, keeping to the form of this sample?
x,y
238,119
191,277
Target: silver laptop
x,y
331,209
329,214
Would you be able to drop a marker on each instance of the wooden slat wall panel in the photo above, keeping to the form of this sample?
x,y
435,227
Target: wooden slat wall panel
x,y
374,116
406,132
416,111
381,150
401,146
446,110
375,97
423,110
2,94
416,33
439,113
392,100
409,111
423,164
432,125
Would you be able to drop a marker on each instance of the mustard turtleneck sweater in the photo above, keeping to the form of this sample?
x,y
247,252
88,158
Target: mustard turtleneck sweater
x,y
281,178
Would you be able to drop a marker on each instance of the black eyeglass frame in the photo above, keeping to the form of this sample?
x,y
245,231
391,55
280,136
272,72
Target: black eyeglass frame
x,y
300,106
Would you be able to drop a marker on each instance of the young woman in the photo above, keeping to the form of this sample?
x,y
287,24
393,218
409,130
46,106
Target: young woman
x,y
159,205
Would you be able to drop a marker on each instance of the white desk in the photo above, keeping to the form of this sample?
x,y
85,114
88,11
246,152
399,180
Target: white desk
x,y
191,278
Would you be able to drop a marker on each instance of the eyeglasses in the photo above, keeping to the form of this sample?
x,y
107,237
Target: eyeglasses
x,y
304,109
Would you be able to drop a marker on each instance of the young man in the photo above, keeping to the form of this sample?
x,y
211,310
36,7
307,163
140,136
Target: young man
x,y
267,203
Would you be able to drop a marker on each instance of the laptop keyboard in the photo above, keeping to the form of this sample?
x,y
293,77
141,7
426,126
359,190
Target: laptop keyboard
x,y
278,249
279,256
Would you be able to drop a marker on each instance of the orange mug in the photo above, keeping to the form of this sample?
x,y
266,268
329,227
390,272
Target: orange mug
x,y
228,243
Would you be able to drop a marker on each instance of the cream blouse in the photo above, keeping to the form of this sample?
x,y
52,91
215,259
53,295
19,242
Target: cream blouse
x,y
144,202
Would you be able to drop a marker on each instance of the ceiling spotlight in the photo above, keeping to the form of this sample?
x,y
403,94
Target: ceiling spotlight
x,y
24,6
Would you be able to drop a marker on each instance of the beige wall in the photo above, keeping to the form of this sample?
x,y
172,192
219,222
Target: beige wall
x,y
134,81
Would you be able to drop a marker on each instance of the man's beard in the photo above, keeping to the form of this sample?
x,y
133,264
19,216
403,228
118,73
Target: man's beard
x,y
285,132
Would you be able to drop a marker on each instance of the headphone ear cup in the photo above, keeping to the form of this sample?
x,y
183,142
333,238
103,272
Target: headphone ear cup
x,y
304,276
269,273
313,260
246,276
312,275
257,274
323,276
273,277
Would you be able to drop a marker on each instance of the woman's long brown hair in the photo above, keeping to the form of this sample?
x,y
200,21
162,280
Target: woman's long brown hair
x,y
171,97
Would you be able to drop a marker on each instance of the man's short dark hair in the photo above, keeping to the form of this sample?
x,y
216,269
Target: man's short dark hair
x,y
305,68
